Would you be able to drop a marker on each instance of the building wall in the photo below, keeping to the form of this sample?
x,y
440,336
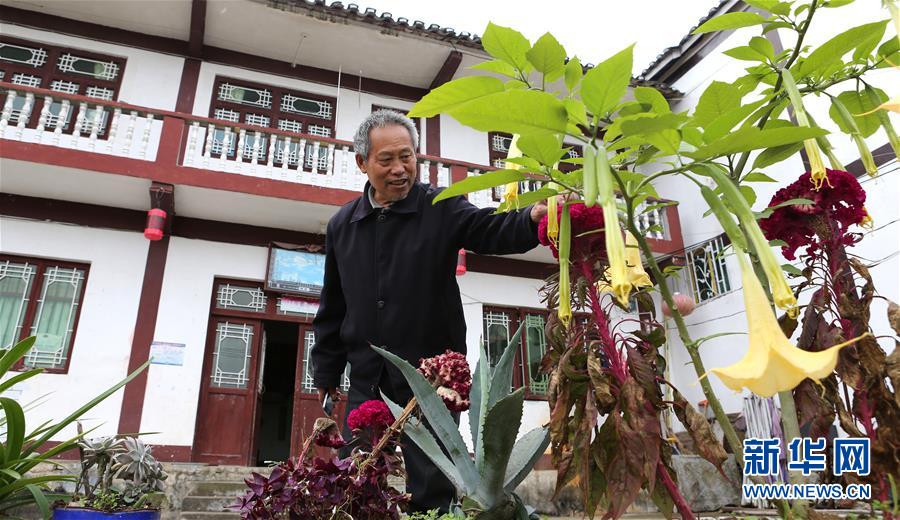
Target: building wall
x,y
102,343
726,313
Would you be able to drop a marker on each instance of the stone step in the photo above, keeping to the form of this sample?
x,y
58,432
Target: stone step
x,y
194,503
209,516
212,488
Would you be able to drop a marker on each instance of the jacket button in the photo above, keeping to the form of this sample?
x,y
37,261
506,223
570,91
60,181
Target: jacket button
x,y
382,218
380,304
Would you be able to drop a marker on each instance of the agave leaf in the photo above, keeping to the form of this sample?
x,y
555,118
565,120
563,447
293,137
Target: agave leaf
x,y
499,436
524,456
425,440
437,415
481,385
500,385
11,356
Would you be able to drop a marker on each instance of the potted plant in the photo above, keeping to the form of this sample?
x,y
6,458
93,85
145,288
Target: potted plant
x,y
120,479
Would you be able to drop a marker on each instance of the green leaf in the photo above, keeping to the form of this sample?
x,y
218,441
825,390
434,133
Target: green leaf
x,y
9,383
420,435
790,269
652,98
837,3
507,45
515,84
501,376
745,53
859,103
724,123
752,138
652,124
768,211
481,381
776,154
604,86
546,148
547,56
749,194
515,112
497,67
667,141
718,98
437,415
40,500
765,5
730,21
527,452
480,182
763,46
15,429
573,73
530,197
501,426
12,355
834,49
757,177
454,94
576,111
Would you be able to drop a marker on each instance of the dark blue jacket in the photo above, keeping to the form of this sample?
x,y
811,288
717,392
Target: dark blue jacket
x,y
390,280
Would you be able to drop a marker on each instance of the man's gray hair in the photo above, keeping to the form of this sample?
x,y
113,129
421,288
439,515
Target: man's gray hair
x,y
362,141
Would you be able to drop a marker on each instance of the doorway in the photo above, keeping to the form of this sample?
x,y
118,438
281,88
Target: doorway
x,y
275,398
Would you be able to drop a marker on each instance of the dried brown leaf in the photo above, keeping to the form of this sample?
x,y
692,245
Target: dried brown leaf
x,y
705,442
893,314
602,384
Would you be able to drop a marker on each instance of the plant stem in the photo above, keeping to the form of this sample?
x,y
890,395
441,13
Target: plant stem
x,y
683,507
390,432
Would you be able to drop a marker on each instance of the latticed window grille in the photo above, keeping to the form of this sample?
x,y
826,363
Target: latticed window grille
x,y
299,105
231,359
308,386
236,297
255,97
257,120
15,287
60,85
105,70
535,348
496,334
289,125
100,93
54,321
33,56
500,142
319,130
226,114
26,80
708,270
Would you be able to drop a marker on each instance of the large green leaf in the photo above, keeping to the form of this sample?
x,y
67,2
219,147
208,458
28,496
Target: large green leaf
x,y
454,94
859,103
419,434
653,123
723,124
497,67
719,98
40,499
481,386
18,378
833,50
776,154
480,182
604,86
651,98
506,44
730,21
525,455
752,138
499,387
548,57
15,429
437,415
546,148
12,355
501,426
514,111
573,73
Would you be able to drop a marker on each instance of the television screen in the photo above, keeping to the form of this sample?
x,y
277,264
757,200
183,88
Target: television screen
x,y
295,271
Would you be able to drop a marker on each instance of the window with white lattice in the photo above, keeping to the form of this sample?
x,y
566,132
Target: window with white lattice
x,y
499,325
41,298
708,270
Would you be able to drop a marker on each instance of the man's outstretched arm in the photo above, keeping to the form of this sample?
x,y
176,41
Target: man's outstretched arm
x,y
481,231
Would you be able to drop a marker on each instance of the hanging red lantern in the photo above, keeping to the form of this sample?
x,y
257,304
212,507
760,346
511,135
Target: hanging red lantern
x,y
685,305
156,223
461,263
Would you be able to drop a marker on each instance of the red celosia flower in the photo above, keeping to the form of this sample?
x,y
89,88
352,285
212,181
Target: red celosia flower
x,y
840,201
584,220
371,414
449,372
330,438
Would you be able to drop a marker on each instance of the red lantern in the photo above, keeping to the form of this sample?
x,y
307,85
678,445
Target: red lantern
x,y
461,263
156,223
685,305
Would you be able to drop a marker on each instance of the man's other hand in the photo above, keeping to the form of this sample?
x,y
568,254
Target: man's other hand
x,y
539,210
335,396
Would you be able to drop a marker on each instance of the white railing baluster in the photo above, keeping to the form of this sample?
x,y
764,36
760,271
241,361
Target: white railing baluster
x,y
329,160
128,145
285,157
239,151
301,160
315,157
426,171
226,144
95,127
207,151
443,175
145,138
61,121
193,136
42,119
79,124
270,159
113,130
257,138
24,115
7,111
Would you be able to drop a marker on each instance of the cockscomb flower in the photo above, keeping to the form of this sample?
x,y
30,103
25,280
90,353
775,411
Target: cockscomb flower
x,y
842,202
449,373
327,433
772,363
586,232
372,414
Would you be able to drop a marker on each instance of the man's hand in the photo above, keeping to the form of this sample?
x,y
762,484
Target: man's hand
x,y
539,210
333,392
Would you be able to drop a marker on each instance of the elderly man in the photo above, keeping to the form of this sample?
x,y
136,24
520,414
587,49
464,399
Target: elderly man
x,y
390,280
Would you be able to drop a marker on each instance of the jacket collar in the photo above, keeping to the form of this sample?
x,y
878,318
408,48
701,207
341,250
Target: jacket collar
x,y
408,205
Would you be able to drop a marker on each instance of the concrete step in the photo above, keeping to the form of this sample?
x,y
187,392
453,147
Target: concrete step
x,y
194,503
209,516
212,488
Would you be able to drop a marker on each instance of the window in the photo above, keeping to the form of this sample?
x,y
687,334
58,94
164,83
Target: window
x,y
265,106
498,149
41,298
708,271
65,70
499,325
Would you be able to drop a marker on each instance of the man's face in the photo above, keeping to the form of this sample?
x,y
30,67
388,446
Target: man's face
x,y
391,164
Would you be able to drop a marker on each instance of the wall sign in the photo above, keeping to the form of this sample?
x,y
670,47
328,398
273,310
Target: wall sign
x,y
162,353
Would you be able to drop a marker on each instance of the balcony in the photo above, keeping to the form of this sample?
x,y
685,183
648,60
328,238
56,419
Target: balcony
x,y
48,127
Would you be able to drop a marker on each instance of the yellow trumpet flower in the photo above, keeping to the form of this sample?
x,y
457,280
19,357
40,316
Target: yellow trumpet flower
x,y
817,172
511,192
553,219
615,252
637,277
867,221
772,364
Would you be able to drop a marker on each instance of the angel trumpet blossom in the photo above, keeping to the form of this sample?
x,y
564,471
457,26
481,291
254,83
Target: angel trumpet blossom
x,y
511,192
553,218
637,277
772,364
818,176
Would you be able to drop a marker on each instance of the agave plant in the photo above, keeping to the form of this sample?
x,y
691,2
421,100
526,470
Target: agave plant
x,y
142,473
486,484
21,450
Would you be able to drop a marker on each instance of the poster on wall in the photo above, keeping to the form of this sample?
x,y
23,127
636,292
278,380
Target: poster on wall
x,y
296,271
164,353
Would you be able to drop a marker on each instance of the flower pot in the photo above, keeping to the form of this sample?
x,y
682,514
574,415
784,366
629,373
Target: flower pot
x,y
80,513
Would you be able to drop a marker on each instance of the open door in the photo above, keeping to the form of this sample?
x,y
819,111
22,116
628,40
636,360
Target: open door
x,y
226,415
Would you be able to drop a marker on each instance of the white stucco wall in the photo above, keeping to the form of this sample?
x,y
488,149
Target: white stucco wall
x,y
106,325
150,79
726,313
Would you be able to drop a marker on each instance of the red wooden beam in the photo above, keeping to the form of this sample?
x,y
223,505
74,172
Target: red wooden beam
x,y
198,28
448,69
